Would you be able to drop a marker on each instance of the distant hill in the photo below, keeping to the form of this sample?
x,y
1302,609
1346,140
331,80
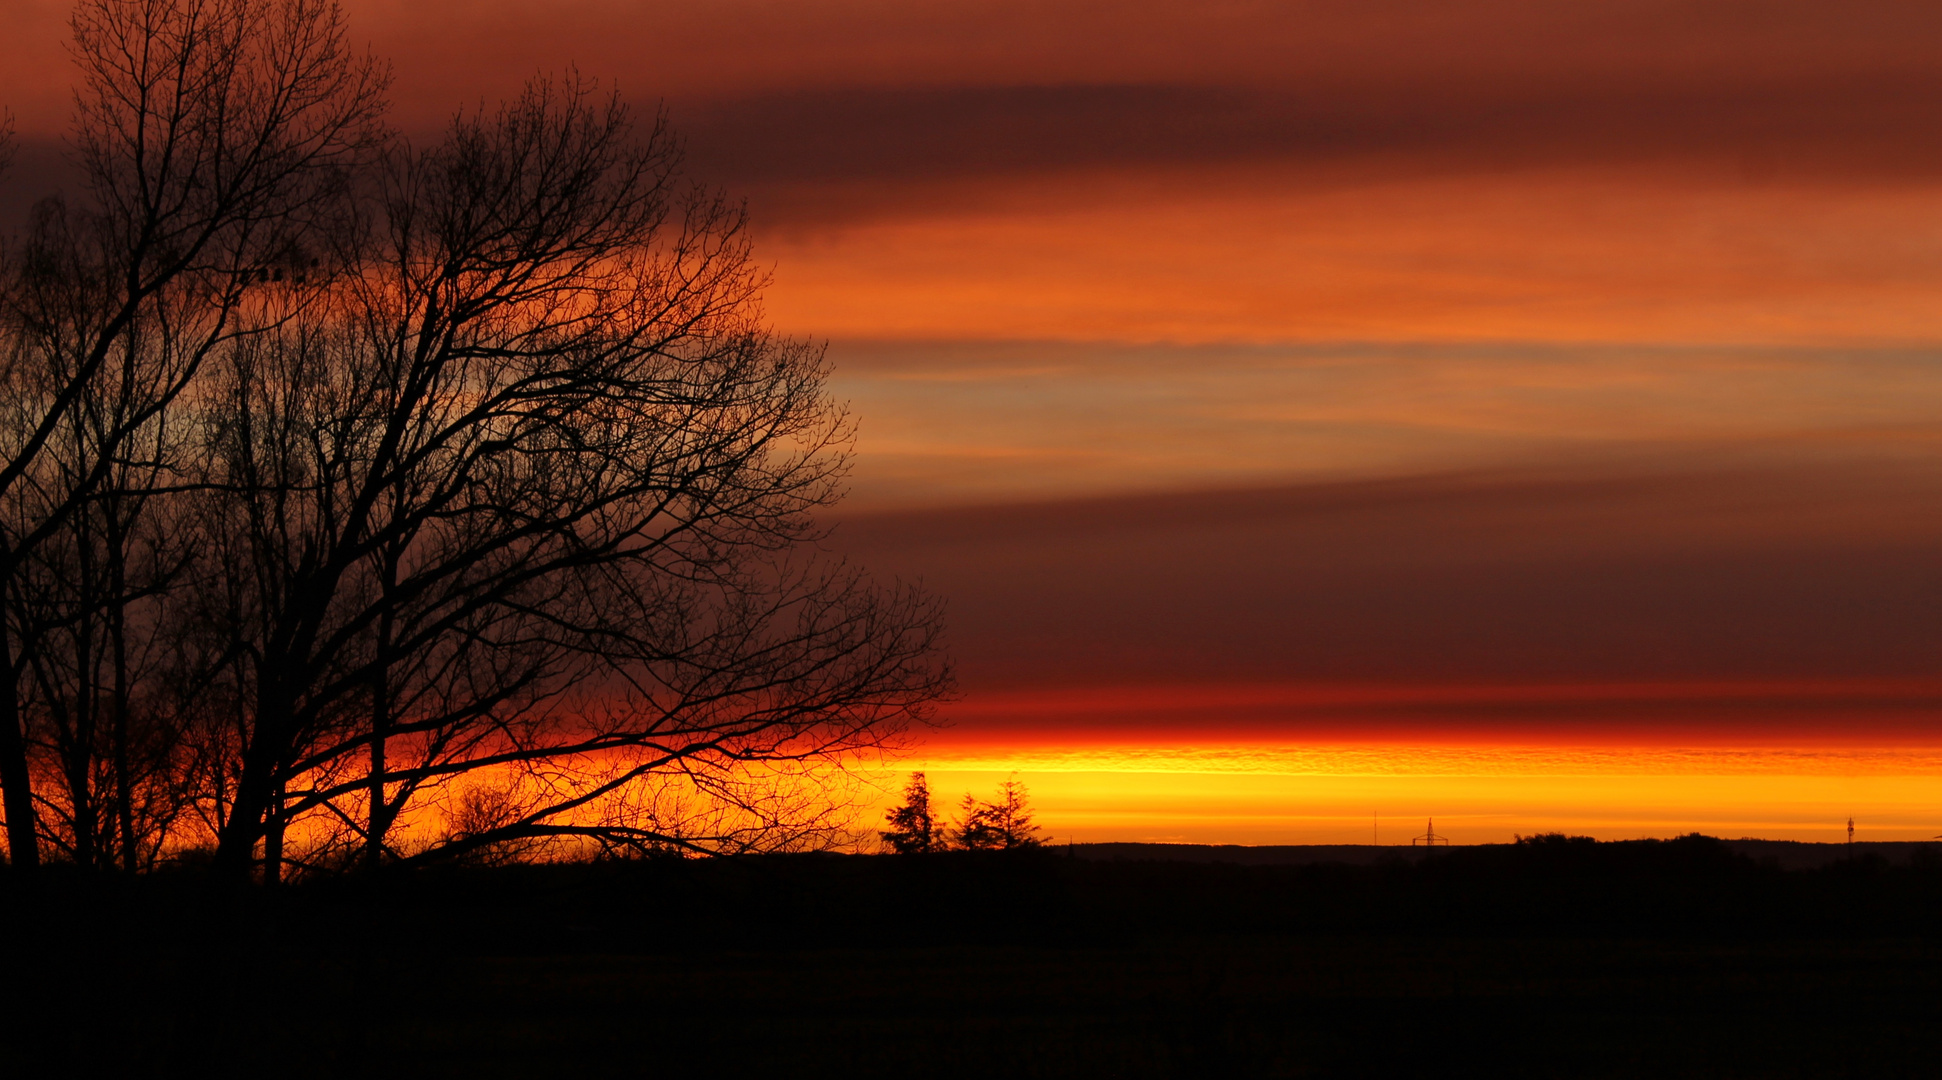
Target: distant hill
x,y
1787,854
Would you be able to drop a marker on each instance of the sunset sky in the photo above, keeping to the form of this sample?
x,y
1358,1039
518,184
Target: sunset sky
x,y
1322,416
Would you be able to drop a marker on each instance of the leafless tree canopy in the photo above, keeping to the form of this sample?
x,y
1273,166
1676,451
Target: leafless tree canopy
x,y
371,502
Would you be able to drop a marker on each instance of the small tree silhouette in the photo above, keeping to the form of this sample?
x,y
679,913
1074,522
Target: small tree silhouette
x,y
1000,825
913,830
484,808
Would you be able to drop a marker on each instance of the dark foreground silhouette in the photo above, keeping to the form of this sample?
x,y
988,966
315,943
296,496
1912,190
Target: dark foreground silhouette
x,y
1549,958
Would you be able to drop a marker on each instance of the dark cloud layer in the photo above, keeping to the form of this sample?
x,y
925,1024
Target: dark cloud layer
x,y
781,98
1702,576
1755,93
1780,126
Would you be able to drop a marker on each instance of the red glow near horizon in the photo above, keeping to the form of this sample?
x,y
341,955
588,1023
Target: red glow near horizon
x,y
1777,713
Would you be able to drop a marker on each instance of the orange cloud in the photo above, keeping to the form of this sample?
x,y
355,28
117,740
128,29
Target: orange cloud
x,y
1204,256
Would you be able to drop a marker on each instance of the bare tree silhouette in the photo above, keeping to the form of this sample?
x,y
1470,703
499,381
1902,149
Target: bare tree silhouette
x,y
347,481
211,138
532,492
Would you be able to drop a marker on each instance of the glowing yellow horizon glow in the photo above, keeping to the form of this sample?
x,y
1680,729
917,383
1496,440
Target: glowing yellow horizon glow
x,y
1356,794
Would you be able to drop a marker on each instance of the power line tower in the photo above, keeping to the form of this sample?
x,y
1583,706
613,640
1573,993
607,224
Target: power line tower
x,y
1429,838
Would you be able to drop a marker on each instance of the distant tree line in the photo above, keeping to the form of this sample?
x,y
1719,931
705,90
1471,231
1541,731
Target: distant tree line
x,y
1000,825
364,501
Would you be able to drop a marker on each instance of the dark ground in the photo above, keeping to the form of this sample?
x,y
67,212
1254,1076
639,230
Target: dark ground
x,y
1668,959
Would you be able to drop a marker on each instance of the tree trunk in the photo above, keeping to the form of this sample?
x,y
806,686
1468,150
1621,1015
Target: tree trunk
x,y
273,840
118,643
250,817
380,817
257,810
16,787
79,759
381,814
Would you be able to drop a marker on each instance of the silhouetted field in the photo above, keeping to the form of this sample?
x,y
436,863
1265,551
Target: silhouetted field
x,y
1680,958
